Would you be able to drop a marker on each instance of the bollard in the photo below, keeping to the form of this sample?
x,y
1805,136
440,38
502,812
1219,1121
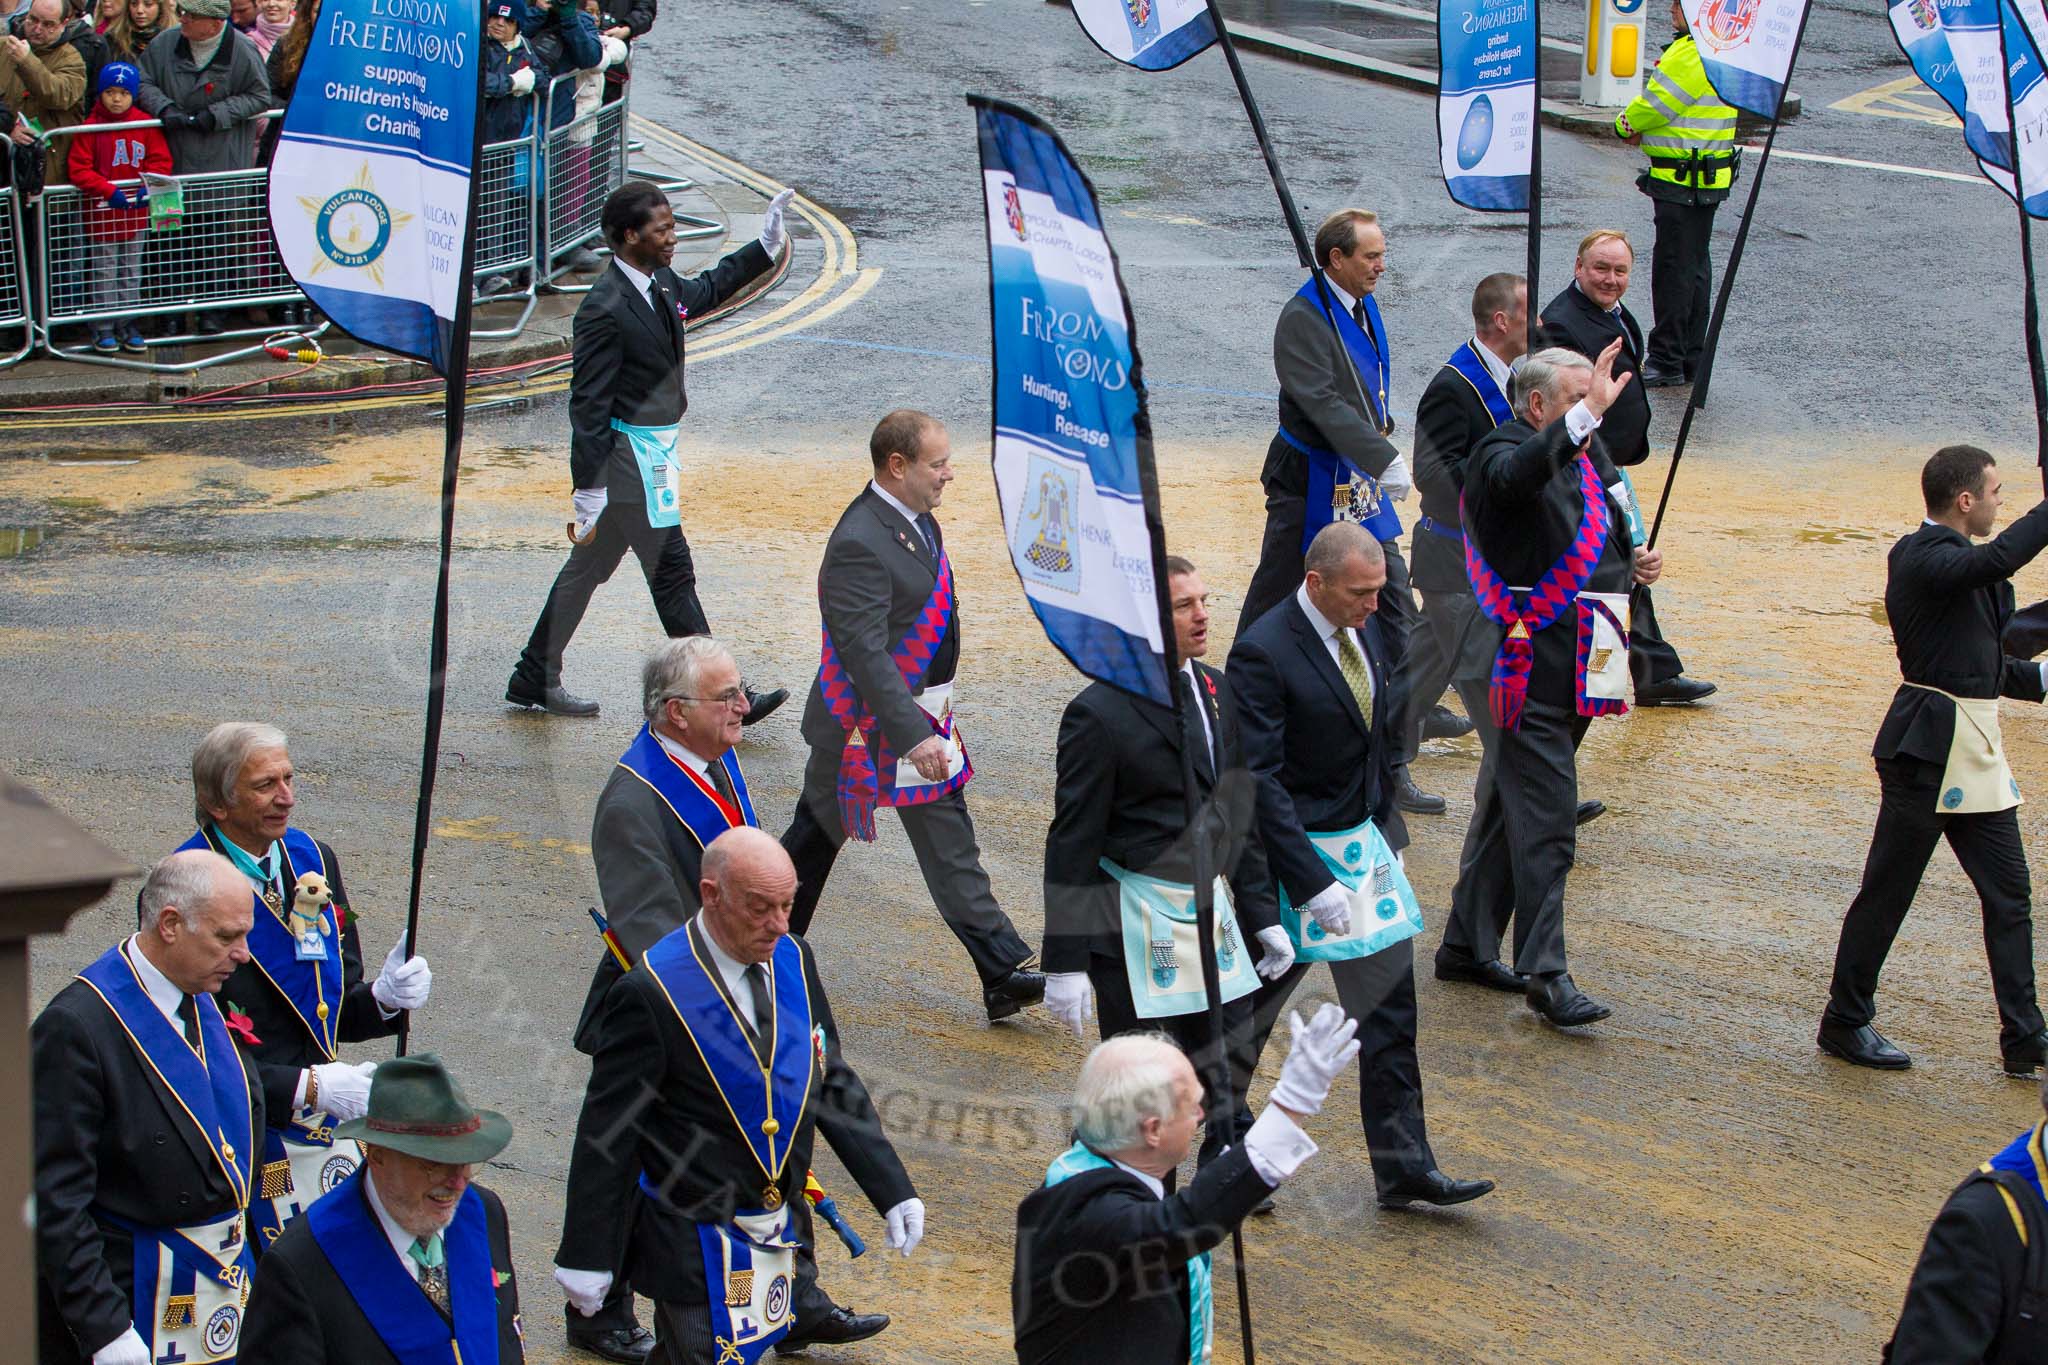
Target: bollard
x,y
1613,73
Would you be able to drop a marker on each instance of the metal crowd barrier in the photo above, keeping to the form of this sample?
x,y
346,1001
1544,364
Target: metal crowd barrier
x,y
540,199
14,282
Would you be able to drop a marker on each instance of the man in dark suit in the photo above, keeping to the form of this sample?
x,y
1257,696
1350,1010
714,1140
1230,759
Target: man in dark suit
x,y
1555,563
1587,317
677,787
1331,457
721,1062
1109,1267
624,404
880,716
1464,401
1119,796
1940,762
302,991
1318,695
148,1128
406,1257
1976,1292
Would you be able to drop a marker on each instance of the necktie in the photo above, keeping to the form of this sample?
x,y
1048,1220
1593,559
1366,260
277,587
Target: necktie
x,y
1205,752
1352,665
426,1252
188,1010
721,781
263,868
757,978
929,529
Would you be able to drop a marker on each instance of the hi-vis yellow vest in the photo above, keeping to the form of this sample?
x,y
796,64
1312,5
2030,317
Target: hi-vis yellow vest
x,y
1687,131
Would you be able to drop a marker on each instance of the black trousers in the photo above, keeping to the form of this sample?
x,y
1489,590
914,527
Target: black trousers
x,y
1523,836
1987,845
1379,992
1221,1100
1650,658
1432,650
1681,286
665,560
942,836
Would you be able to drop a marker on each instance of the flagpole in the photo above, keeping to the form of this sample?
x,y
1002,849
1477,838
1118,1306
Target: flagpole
x,y
1535,319
2032,307
1199,871
454,409
1695,399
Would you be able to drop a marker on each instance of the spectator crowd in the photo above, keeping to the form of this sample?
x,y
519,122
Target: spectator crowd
x,y
180,88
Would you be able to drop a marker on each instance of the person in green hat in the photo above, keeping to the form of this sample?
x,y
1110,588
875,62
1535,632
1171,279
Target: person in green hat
x,y
407,1258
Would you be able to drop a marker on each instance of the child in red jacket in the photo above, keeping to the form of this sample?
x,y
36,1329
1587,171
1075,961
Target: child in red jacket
x,y
107,168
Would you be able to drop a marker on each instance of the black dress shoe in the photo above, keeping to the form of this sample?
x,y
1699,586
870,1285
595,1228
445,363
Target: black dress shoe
x,y
1416,801
1264,1208
628,1345
1021,988
1444,723
1557,999
1589,811
1432,1187
1493,974
760,706
1661,379
1678,691
556,701
2024,1058
1863,1046
835,1328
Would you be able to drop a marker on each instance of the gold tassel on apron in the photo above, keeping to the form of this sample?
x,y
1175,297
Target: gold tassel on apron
x,y
1977,780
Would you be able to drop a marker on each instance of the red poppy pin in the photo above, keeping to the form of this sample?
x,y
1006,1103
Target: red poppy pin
x,y
242,1026
208,87
1210,683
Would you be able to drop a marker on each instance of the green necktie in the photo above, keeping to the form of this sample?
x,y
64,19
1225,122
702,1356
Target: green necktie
x,y
1352,665
433,1264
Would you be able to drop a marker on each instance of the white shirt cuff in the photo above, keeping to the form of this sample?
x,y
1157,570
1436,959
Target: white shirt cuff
x,y
1277,1146
2044,675
1579,421
299,1095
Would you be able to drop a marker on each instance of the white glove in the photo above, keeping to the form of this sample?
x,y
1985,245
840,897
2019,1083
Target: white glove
x,y
1331,908
1279,954
589,506
906,1225
344,1088
1071,999
773,233
404,982
586,1289
1396,483
522,81
1322,1048
126,1349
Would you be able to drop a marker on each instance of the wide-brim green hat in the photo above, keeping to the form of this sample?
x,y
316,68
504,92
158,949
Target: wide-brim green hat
x,y
417,1108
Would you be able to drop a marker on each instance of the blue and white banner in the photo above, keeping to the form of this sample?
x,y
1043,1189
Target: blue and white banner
x,y
1152,34
370,187
1486,100
1747,48
1954,46
1073,443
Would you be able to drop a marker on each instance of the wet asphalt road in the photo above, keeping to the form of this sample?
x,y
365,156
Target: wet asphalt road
x,y
1691,1182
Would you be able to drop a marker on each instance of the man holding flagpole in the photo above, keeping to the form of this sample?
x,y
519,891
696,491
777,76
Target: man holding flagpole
x,y
1331,458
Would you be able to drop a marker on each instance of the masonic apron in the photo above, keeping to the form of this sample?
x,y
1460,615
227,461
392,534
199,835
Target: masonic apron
x,y
1384,909
1162,945
1977,779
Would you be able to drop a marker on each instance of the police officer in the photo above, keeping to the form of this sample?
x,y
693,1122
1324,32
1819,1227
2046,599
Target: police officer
x,y
1689,135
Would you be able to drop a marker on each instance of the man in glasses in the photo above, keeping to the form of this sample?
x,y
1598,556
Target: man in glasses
x,y
677,787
